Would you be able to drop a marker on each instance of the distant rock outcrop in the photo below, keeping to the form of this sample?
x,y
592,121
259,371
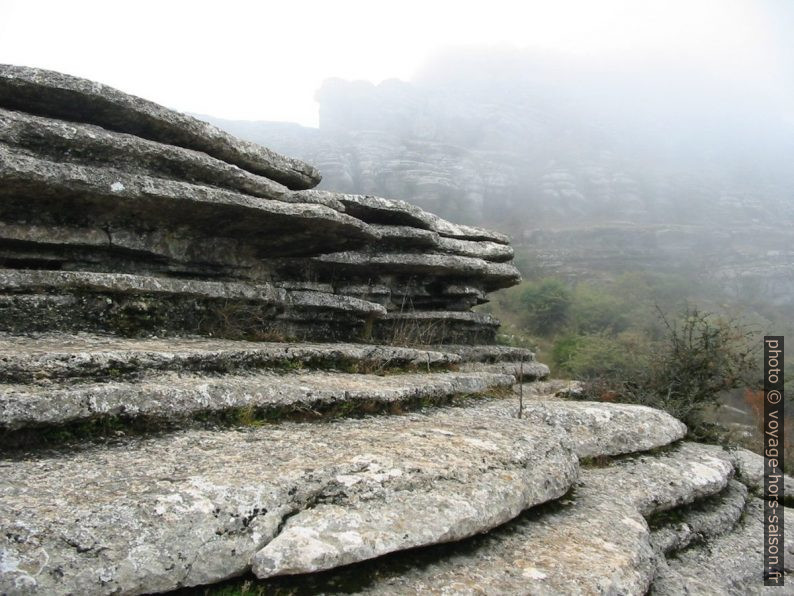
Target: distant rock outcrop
x,y
201,378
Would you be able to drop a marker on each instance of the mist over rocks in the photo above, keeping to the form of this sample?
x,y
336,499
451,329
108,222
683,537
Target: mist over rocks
x,y
587,166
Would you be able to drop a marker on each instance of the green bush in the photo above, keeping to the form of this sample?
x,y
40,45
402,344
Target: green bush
x,y
593,310
685,374
547,303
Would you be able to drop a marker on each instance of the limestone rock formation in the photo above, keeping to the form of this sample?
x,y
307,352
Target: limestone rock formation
x,y
209,370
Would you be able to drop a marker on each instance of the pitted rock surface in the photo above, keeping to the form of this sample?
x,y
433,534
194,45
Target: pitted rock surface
x,y
193,507
597,429
595,541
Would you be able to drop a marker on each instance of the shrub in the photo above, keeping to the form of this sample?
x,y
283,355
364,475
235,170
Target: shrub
x,y
547,303
700,357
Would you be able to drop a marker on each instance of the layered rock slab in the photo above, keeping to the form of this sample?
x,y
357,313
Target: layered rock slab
x,y
183,395
595,541
598,429
731,563
703,520
54,94
194,507
127,304
46,358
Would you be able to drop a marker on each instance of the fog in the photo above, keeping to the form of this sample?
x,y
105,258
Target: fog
x,y
618,133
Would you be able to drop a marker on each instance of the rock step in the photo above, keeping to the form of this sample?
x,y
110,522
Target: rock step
x,y
522,371
53,94
48,358
493,276
490,354
178,396
597,429
705,519
32,188
39,300
750,470
731,563
196,507
593,541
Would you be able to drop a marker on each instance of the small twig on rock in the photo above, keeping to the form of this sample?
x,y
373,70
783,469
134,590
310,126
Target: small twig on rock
x,y
521,388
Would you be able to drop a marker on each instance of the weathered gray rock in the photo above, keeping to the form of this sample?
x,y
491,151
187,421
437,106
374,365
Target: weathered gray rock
x,y
750,470
598,429
47,358
183,395
193,507
32,186
58,95
595,541
731,563
522,371
85,143
703,520
492,275
378,210
490,354
143,305
484,249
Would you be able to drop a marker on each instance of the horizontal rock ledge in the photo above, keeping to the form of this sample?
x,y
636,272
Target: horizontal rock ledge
x,y
377,210
53,94
194,507
135,305
493,276
75,142
180,395
594,541
31,188
51,357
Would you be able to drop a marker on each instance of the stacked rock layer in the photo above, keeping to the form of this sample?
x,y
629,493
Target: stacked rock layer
x,y
154,436
120,215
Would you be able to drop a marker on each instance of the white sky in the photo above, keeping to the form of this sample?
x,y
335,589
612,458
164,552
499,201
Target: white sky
x,y
264,60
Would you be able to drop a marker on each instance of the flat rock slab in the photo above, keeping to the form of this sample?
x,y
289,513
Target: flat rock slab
x,y
182,395
196,506
490,354
703,520
522,371
24,280
492,275
30,185
731,563
53,94
595,541
597,429
86,143
377,210
45,358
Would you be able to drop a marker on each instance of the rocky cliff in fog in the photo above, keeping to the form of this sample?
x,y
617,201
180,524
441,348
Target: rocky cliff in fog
x,y
542,150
